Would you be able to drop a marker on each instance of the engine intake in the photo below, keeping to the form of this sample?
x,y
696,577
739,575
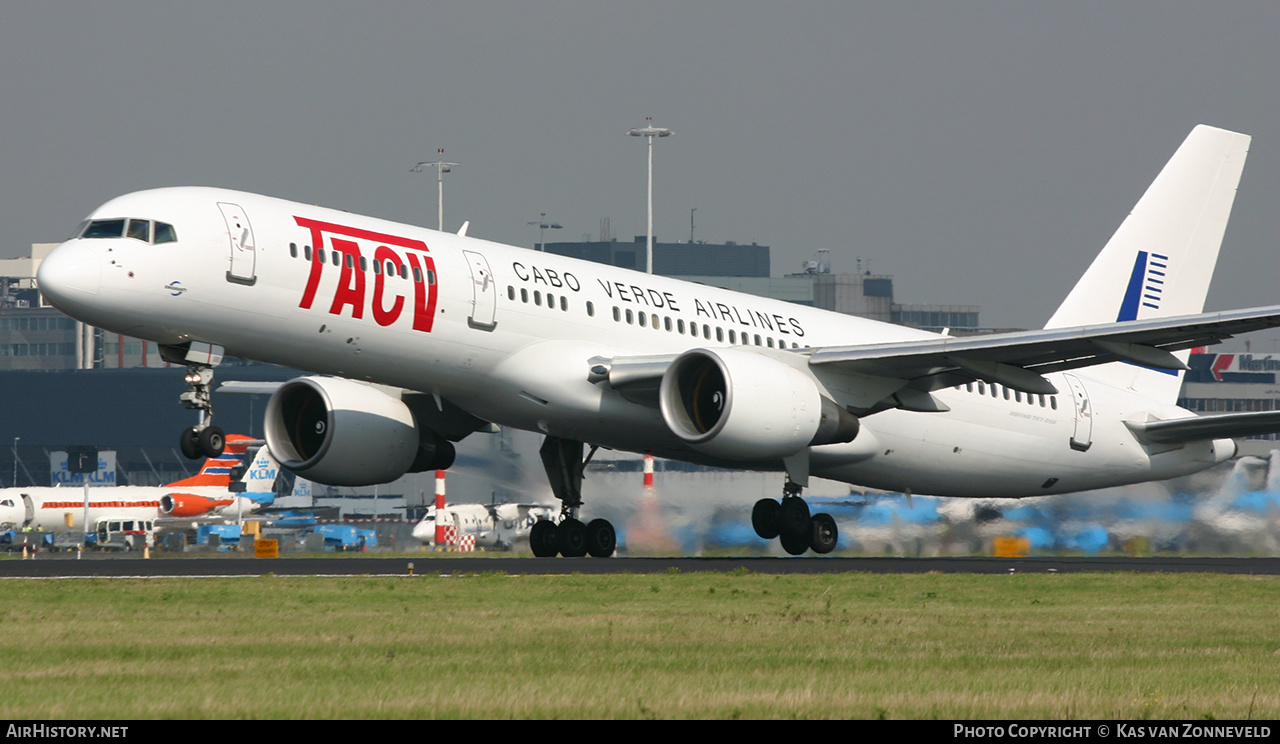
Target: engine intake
x,y
740,405
344,433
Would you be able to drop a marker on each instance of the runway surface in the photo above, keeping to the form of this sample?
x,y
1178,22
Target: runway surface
x,y
58,566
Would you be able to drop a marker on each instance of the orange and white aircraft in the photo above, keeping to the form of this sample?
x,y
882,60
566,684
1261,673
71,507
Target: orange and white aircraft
x,y
208,493
421,338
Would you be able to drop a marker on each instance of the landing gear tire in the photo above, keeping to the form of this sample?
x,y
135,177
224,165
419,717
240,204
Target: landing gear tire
x,y
212,441
542,539
189,443
825,534
764,518
571,538
602,541
793,518
794,544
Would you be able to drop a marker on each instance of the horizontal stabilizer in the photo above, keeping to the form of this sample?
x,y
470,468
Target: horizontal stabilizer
x,y
1200,428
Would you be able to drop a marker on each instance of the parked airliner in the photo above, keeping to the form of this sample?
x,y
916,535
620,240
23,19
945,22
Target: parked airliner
x,y
419,338
205,494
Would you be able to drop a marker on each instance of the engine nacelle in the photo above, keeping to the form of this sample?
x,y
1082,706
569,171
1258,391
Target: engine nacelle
x,y
344,433
740,405
190,505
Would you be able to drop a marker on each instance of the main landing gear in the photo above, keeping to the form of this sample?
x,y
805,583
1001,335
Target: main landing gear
x,y
564,464
789,520
204,439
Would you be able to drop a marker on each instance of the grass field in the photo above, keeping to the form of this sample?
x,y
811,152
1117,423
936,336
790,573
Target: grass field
x,y
701,645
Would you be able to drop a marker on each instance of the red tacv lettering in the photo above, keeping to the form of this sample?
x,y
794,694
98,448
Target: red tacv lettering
x,y
424,294
385,317
350,290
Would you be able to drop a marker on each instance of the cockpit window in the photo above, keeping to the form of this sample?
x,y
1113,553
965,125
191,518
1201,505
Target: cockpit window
x,y
140,230
132,228
104,229
164,233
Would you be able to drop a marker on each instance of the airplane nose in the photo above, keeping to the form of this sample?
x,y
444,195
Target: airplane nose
x,y
69,275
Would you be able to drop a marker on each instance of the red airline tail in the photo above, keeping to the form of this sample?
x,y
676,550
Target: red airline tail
x,y
216,471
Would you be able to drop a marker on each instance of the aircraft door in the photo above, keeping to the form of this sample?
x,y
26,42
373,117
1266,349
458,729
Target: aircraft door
x,y
243,247
485,298
1082,438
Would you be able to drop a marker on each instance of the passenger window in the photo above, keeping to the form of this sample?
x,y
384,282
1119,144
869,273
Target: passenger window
x,y
591,310
306,249
680,325
654,321
417,274
524,295
511,292
564,303
140,230
364,264
617,314
631,318
293,250
719,334
164,234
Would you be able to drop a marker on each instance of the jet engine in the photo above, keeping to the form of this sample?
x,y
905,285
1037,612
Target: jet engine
x,y
345,433
741,405
190,505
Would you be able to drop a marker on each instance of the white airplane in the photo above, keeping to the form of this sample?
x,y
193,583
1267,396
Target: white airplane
x,y
206,494
496,526
424,337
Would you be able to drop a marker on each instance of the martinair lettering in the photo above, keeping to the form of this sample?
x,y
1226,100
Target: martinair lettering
x,y
549,277
101,504
350,247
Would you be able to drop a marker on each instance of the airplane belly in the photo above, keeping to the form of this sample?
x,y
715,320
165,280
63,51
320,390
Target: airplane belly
x,y
1006,456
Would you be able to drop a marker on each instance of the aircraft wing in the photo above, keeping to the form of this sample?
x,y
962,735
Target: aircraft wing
x,y
1197,428
1018,359
909,370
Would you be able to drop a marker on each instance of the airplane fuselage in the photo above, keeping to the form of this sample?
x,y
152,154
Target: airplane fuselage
x,y
509,335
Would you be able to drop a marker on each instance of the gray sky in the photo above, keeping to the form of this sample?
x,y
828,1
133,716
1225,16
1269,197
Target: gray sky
x,y
980,151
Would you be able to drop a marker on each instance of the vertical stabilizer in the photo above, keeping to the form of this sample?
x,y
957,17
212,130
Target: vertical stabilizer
x,y
1159,263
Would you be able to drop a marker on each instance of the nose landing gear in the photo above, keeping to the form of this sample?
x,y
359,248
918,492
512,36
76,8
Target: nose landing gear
x,y
203,439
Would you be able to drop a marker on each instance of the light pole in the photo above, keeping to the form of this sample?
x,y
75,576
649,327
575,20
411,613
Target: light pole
x,y
15,461
650,131
542,227
441,169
